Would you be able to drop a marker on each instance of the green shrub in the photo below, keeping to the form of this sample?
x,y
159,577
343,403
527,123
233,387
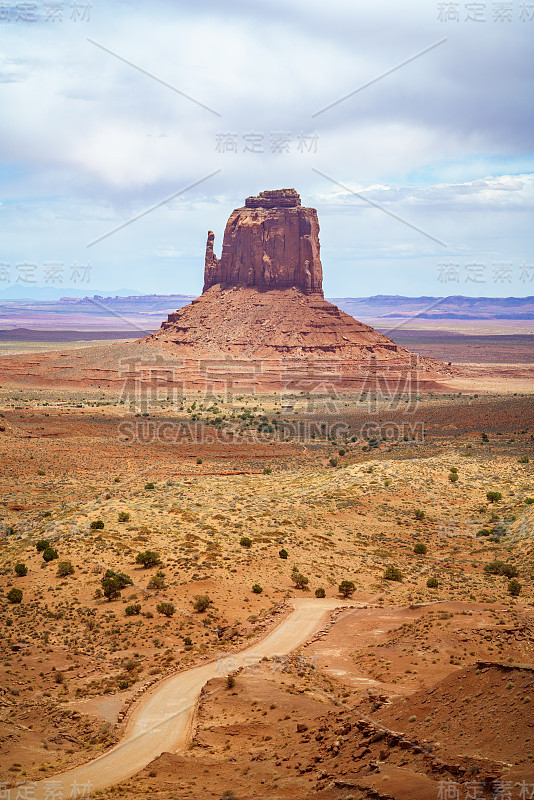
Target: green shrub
x,y
501,568
529,500
420,549
493,497
124,516
14,595
419,514
42,544
21,570
320,592
40,472
341,452
201,602
432,583
133,610
123,684
97,525
157,581
199,461
165,608
64,568
523,460
114,582
257,588
453,469
50,554
514,588
346,588
245,541
300,580
149,486
453,477
230,682
116,480
333,462
188,641
148,558
392,573
484,532
283,553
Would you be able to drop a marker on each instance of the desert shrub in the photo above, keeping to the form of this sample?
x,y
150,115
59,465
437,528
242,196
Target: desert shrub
x,y
453,477
230,682
493,497
116,480
333,462
485,437
432,583
245,541
149,485
501,568
300,580
346,588
42,544
97,525
124,516
199,461
14,595
21,570
133,610
392,573
420,548
257,588
41,472
165,608
64,568
523,460
419,514
114,582
320,592
529,500
341,452
514,588
484,532
50,554
148,558
453,469
188,641
283,553
123,684
267,470
201,602
157,581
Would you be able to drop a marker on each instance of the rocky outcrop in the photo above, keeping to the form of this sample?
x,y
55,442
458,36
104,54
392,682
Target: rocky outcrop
x,y
270,243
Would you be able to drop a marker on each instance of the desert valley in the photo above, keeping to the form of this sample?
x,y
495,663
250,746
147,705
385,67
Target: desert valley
x,y
266,550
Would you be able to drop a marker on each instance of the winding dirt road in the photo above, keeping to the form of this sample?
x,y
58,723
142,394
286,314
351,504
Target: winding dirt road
x,y
162,719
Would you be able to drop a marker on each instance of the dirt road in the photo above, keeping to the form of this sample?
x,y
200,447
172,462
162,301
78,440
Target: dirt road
x,y
162,720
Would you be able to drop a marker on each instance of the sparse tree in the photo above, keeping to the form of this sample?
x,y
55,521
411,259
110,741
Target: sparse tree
x,y
346,588
14,595
201,602
148,558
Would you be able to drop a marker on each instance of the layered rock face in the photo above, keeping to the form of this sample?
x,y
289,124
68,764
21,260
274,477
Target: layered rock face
x,y
270,243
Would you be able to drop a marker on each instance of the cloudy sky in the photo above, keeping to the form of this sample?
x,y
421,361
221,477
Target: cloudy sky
x,y
129,129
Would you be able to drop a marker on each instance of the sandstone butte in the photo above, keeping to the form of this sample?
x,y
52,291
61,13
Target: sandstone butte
x,y
263,302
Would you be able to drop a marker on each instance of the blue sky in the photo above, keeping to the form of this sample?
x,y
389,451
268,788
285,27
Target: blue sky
x,y
441,145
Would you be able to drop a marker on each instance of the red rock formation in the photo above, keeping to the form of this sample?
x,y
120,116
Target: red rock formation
x,y
263,301
270,243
